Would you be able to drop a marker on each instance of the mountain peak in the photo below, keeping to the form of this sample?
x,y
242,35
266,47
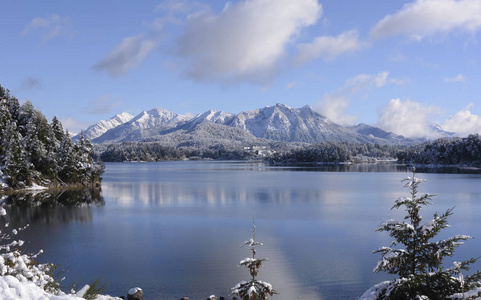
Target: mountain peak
x,y
101,127
279,123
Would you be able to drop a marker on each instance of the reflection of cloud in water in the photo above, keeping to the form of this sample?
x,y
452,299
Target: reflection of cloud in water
x,y
167,194
279,272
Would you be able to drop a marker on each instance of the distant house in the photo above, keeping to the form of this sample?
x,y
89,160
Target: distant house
x,y
259,150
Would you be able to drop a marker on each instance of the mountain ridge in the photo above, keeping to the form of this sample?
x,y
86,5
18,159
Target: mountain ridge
x,y
279,123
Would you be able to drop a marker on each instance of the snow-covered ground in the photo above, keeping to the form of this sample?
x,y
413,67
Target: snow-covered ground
x,y
3,184
13,289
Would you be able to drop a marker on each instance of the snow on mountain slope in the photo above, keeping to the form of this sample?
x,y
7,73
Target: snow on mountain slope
x,y
103,126
439,131
277,123
141,126
212,116
283,123
207,134
155,117
382,135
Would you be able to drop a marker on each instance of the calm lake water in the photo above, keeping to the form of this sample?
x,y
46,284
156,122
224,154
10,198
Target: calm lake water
x,y
175,228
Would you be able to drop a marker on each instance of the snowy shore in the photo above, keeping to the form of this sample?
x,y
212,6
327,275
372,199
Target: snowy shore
x,y
12,288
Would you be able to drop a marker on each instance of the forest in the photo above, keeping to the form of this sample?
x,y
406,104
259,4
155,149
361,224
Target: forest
x,y
36,152
443,152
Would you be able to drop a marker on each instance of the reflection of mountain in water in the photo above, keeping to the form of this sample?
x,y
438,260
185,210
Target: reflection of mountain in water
x,y
52,207
171,194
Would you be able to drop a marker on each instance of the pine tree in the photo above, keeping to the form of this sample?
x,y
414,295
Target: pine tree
x,y
417,260
57,129
67,159
253,289
32,151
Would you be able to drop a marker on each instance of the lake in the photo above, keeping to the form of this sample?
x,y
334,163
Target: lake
x,y
175,228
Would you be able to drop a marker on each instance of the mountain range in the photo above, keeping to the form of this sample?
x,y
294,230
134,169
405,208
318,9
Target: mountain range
x,y
278,123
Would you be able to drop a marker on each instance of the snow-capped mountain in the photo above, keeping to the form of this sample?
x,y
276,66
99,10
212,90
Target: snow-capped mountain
x,y
382,135
143,125
207,134
283,123
438,130
101,127
212,116
274,123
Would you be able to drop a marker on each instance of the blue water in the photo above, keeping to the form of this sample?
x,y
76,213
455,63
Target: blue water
x,y
174,228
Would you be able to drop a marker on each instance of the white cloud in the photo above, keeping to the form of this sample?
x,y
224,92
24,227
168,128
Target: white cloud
x,y
246,40
49,27
329,47
334,105
427,17
368,80
174,11
127,55
293,84
463,123
457,78
408,118
180,6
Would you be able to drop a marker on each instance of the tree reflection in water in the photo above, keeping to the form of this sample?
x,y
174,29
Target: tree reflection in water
x,y
52,207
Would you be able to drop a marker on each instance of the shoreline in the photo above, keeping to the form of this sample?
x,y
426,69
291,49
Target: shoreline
x,y
42,189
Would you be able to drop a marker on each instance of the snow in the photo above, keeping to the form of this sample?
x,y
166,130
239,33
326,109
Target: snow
x,y
413,180
36,187
375,291
12,288
103,126
471,293
3,184
134,290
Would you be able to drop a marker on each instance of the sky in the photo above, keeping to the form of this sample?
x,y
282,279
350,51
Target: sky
x,y
398,65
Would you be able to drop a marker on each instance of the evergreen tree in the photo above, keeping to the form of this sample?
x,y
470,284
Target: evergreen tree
x,y
15,164
253,289
67,157
57,129
32,151
5,119
417,260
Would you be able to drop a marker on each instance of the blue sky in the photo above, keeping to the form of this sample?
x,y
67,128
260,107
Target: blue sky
x,y
399,65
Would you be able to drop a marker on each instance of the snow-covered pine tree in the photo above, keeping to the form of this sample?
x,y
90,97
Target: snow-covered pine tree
x,y
32,151
15,165
253,289
417,260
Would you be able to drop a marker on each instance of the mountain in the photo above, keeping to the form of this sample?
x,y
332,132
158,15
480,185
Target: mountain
x,y
142,126
438,130
272,123
378,133
286,124
101,127
207,134
212,116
